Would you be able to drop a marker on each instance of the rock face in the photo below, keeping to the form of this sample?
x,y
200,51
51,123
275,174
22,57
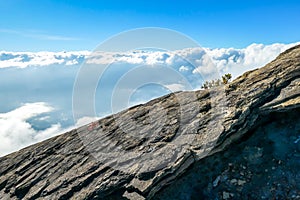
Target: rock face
x,y
240,141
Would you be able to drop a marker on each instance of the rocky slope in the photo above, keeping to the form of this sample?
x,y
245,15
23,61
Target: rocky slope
x,y
236,142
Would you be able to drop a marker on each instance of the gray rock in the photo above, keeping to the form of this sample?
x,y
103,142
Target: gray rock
x,y
226,195
216,181
241,182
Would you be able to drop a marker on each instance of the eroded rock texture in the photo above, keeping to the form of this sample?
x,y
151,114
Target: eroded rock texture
x,y
235,142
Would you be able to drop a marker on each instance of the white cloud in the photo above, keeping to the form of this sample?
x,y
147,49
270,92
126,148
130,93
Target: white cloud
x,y
225,60
44,58
206,68
238,61
72,62
85,120
175,87
183,68
55,129
27,111
17,132
132,57
44,118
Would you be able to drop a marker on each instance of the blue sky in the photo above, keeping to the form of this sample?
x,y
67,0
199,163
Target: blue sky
x,y
56,25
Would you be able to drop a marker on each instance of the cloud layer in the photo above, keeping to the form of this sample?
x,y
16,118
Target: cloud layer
x,y
16,132
235,61
40,59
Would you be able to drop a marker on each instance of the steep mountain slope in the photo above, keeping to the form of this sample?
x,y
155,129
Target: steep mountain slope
x,y
239,141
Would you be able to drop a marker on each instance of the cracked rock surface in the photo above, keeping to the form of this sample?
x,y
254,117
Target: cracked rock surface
x,y
234,142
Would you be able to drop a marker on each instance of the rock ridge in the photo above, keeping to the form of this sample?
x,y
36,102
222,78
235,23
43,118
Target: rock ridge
x,y
202,144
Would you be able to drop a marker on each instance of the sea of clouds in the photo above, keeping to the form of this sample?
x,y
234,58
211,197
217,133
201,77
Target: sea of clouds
x,y
36,87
